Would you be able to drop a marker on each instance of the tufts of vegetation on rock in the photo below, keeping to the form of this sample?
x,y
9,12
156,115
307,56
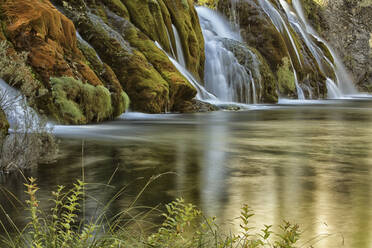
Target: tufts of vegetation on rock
x,y
286,78
79,103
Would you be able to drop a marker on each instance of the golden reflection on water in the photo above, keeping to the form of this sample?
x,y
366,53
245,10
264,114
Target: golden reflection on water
x,y
310,165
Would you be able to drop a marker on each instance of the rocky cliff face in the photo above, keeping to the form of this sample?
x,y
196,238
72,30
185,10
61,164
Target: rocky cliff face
x,y
346,25
87,76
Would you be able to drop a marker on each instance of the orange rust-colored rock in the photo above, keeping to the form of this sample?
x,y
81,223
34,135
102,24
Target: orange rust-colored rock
x,y
50,38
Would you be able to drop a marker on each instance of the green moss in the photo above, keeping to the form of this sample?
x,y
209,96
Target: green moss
x,y
208,3
268,91
125,102
313,10
185,4
286,78
179,88
4,125
187,23
146,88
117,7
92,58
79,103
147,15
365,3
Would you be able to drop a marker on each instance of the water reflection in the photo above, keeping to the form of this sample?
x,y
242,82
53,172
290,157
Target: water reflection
x,y
310,164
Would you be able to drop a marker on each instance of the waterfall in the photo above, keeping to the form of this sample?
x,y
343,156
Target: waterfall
x,y
228,79
179,48
225,77
294,15
282,27
170,43
19,115
333,91
344,83
202,94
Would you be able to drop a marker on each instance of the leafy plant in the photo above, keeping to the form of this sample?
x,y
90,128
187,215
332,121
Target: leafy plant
x,y
184,225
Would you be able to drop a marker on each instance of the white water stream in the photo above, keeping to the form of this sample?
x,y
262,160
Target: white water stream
x,y
19,115
224,76
179,47
344,82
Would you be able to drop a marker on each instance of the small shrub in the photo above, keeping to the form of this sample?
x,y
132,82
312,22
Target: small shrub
x,y
184,226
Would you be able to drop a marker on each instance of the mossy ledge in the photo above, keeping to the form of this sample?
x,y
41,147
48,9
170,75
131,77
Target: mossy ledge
x,y
77,102
115,58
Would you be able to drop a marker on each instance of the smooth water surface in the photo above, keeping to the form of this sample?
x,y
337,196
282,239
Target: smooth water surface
x,y
310,164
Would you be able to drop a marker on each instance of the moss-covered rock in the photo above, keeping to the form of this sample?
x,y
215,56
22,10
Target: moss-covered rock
x,y
4,126
286,78
186,20
152,82
50,40
116,51
146,88
195,106
147,16
258,31
179,88
80,103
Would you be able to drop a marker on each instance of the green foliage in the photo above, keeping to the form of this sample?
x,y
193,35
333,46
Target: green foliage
x,y
79,103
184,226
176,230
61,228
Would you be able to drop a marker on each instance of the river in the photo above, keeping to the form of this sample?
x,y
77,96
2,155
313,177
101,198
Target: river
x,y
306,163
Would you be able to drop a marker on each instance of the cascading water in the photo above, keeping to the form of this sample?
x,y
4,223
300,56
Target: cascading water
x,y
225,77
282,27
202,94
344,83
180,55
170,43
18,113
333,91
